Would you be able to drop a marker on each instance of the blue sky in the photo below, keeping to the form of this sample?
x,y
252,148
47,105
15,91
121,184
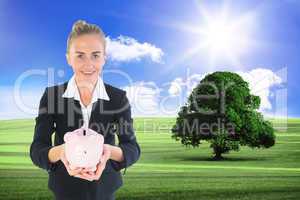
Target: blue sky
x,y
158,39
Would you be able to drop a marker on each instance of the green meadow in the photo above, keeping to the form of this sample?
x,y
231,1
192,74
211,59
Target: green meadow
x,y
166,169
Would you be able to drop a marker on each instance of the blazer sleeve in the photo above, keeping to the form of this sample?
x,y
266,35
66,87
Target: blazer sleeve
x,y
43,130
127,139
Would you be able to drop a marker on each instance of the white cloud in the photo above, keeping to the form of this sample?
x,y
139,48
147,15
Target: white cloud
x,y
260,82
143,98
22,104
179,85
176,86
126,49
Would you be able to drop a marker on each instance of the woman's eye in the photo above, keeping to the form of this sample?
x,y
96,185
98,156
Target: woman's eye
x,y
80,56
96,56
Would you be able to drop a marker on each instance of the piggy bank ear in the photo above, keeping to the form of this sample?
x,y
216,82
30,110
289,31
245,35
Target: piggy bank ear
x,y
67,137
99,138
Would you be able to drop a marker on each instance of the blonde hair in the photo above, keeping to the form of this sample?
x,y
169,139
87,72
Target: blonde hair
x,y
81,27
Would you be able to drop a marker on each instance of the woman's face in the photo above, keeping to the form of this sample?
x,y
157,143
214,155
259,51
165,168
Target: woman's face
x,y
87,57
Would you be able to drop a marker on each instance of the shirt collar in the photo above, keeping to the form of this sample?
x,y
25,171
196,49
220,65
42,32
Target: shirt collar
x,y
98,93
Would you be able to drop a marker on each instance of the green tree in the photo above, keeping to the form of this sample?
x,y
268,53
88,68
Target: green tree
x,y
222,111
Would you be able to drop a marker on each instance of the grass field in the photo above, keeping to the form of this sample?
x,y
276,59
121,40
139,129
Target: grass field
x,y
166,169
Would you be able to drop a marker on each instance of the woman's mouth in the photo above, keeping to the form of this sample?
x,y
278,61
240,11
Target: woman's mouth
x,y
88,73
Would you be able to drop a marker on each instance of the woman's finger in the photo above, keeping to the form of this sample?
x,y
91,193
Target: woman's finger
x,y
100,168
88,176
89,169
75,171
82,177
71,172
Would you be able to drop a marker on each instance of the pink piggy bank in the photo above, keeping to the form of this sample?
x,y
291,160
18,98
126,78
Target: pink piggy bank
x,y
83,148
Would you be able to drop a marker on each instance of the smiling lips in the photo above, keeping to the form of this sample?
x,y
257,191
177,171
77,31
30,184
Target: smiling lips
x,y
88,72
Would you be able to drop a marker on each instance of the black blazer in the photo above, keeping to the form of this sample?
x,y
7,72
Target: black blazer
x,y
60,115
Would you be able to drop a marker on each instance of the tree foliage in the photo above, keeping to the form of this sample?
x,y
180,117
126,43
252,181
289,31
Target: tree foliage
x,y
222,111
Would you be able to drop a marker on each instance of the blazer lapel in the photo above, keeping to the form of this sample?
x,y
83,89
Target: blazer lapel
x,y
101,121
73,113
74,116
96,114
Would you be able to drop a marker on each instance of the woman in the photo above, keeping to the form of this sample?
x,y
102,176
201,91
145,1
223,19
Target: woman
x,y
84,101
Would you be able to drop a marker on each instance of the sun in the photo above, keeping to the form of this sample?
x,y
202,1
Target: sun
x,y
220,36
225,38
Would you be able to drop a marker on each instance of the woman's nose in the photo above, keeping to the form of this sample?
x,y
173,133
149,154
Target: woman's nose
x,y
88,63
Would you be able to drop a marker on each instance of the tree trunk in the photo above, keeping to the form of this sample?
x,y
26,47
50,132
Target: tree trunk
x,y
218,153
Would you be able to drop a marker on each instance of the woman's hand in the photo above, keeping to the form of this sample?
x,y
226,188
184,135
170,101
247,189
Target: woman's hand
x,y
63,158
91,176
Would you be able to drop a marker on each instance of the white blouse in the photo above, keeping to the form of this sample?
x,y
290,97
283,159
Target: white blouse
x,y
98,93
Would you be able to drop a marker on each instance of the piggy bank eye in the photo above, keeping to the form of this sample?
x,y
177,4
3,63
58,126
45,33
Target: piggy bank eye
x,y
84,152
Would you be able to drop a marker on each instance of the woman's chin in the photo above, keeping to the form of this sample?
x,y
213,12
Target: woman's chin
x,y
86,79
